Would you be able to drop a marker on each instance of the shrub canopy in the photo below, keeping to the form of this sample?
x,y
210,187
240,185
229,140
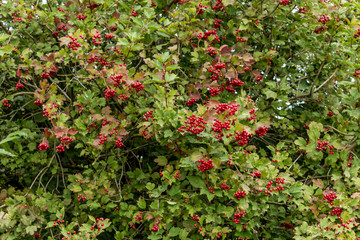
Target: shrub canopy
x,y
179,119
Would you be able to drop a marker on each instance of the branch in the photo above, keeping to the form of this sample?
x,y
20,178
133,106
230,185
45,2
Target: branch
x,y
326,81
295,161
316,78
336,130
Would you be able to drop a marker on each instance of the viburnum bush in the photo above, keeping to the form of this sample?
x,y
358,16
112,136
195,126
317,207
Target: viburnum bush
x,y
181,119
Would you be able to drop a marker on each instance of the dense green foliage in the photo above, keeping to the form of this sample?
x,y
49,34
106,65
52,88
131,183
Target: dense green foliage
x,y
179,119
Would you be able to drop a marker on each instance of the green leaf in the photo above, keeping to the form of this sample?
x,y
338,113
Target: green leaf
x,y
196,181
183,234
4,152
76,188
174,231
150,186
314,131
149,13
141,203
123,41
161,160
269,93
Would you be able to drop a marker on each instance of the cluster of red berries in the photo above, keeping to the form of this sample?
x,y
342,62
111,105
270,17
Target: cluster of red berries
x,y
118,51
146,135
219,235
101,61
224,106
242,137
38,235
237,83
224,187
68,233
97,36
58,221
252,115
211,51
205,165
177,175
218,5
109,93
74,45
62,27
330,113
320,29
219,126
102,138
200,9
19,85
350,221
60,9
195,218
148,115
137,86
123,97
330,197
324,146
46,113
93,6
357,73
105,122
280,180
302,10
261,131
288,225
119,143
81,198
258,78
66,140
336,211
91,125
195,124
43,146
99,227
81,17
45,75
217,23
239,194
80,107
275,189
6,103
134,13
60,148
109,36
284,2
211,191
356,35
138,217
37,102
323,19
155,227
229,162
191,101
240,39
237,217
256,174
214,91
206,35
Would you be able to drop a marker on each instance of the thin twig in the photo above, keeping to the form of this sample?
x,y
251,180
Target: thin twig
x,y
326,81
295,161
336,130
317,76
